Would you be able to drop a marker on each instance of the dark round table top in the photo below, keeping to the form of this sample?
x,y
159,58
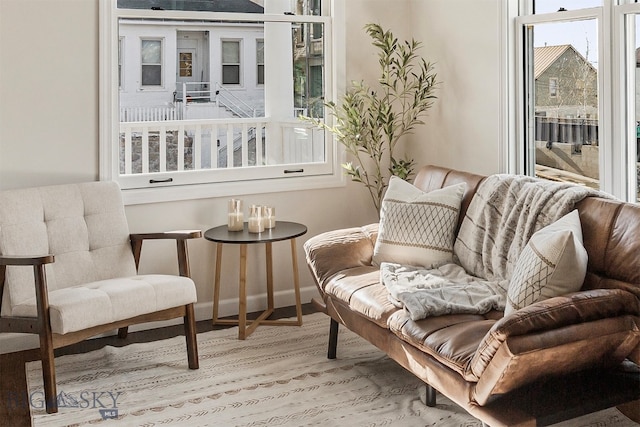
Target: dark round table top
x,y
284,230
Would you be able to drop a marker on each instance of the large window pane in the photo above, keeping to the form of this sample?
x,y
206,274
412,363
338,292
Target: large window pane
x,y
214,115
563,81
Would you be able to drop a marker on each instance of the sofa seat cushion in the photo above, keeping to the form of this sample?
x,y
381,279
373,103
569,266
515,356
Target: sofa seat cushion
x,y
360,289
105,301
451,339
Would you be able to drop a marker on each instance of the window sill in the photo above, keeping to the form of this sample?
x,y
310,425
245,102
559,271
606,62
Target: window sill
x,y
228,189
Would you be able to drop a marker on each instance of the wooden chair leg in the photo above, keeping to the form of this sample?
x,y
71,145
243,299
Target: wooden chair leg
x,y
190,335
333,339
48,371
46,340
123,332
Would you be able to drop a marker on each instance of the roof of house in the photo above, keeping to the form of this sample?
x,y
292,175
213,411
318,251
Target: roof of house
x,y
547,55
236,6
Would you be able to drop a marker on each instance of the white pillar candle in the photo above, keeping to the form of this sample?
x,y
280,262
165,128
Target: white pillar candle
x,y
255,219
235,219
268,216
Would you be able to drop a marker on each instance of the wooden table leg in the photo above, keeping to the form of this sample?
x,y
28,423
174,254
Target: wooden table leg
x,y
245,327
242,315
269,258
216,282
296,280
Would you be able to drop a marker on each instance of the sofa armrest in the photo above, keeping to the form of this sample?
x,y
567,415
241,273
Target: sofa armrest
x,y
333,251
556,316
180,236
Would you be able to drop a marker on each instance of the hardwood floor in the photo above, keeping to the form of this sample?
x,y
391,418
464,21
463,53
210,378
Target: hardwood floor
x,y
14,403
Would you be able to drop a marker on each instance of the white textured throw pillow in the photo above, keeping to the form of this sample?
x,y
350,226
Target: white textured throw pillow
x,y
417,228
553,263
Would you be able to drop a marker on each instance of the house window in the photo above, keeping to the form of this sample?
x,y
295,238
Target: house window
x,y
575,135
225,138
553,87
120,62
260,62
186,64
151,62
230,62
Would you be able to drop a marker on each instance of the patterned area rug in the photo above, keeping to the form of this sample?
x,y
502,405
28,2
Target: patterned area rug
x,y
279,376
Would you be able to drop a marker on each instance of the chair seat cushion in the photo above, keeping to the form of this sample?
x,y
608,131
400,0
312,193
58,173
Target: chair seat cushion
x,y
105,301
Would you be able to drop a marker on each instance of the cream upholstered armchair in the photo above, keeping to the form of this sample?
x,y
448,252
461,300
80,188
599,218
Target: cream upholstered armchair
x,y
68,271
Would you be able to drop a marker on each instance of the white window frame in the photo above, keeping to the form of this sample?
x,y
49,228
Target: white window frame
x,y
259,64
161,65
240,181
238,64
614,106
623,76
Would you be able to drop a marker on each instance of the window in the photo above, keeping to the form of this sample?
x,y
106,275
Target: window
x,y
553,87
260,62
119,62
151,62
186,64
230,62
203,123
578,105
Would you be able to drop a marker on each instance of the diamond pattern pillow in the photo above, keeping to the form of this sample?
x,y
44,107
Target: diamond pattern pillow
x,y
553,263
417,228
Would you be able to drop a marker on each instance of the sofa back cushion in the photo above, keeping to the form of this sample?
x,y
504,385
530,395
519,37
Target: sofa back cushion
x,y
82,225
611,233
431,177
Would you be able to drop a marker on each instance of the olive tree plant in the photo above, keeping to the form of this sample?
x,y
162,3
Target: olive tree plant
x,y
370,122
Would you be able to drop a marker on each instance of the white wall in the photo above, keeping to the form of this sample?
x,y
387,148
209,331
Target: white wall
x,y
461,37
49,124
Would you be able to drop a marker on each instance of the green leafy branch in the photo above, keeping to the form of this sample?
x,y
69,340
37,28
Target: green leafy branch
x,y
370,123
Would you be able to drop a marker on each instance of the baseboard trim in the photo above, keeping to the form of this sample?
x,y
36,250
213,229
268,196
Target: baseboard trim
x,y
10,342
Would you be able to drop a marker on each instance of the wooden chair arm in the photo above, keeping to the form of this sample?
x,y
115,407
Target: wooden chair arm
x,y
180,236
40,281
26,260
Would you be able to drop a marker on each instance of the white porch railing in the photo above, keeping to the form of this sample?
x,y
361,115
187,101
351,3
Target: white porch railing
x,y
150,114
163,146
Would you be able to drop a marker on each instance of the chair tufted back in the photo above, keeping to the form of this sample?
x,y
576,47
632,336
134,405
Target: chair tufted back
x,y
82,225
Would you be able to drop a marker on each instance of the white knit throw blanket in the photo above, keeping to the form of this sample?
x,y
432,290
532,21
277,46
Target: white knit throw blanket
x,y
447,289
504,213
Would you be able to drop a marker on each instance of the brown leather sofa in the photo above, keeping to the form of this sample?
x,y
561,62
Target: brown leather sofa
x,y
550,361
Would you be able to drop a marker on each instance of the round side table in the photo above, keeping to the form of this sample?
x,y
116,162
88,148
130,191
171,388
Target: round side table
x,y
283,230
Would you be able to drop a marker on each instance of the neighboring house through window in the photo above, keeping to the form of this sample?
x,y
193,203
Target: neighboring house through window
x,y
212,103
